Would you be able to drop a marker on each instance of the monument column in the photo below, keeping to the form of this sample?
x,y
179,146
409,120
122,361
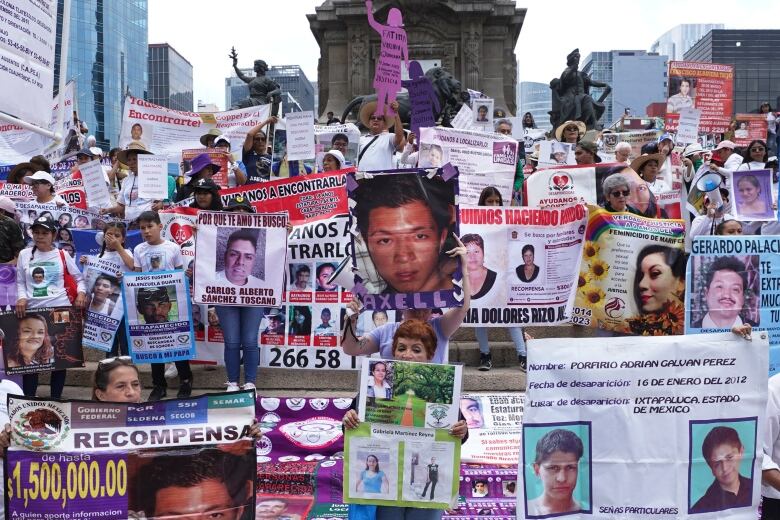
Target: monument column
x,y
360,64
471,43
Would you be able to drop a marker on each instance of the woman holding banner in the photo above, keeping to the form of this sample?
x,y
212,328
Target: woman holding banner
x,y
55,263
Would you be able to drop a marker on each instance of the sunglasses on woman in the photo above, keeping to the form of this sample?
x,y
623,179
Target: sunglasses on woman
x,y
120,360
619,193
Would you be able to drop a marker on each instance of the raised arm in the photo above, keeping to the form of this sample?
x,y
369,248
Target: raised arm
x,y
353,346
234,57
249,140
373,23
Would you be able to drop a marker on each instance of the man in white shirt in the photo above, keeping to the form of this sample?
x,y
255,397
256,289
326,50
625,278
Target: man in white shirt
x,y
377,149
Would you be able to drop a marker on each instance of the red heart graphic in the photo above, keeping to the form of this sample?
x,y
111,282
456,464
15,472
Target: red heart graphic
x,y
561,180
181,233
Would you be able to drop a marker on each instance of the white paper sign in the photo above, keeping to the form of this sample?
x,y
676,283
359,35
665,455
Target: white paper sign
x,y
688,127
463,119
95,184
152,177
27,58
644,427
300,136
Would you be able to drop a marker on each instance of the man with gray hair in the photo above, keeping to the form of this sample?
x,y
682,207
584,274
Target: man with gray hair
x,y
504,126
623,152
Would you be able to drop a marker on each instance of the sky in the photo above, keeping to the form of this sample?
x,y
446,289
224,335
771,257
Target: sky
x,y
203,32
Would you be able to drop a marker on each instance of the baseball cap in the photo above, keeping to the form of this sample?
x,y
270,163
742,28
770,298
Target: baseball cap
x,y
39,176
723,144
44,222
152,294
239,202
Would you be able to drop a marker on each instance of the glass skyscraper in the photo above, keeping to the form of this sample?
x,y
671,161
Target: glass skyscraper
x,y
170,78
107,58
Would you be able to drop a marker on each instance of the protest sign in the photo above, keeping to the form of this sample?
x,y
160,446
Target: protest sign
x,y
750,127
157,316
392,51
17,145
422,98
8,292
677,400
688,125
217,157
167,132
89,242
344,138
394,269
615,290
400,466
300,428
239,258
486,490
404,393
473,184
329,500
152,177
46,339
67,217
708,87
79,459
732,281
636,139
463,119
522,263
555,153
468,150
315,250
304,198
300,135
27,53
494,422
95,186
752,195
17,192
105,308
179,226
482,109
531,137
282,166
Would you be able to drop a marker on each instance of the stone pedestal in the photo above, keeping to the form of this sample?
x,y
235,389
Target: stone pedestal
x,y
473,39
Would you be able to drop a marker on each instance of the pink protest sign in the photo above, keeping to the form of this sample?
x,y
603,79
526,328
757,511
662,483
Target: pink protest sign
x,y
387,76
425,103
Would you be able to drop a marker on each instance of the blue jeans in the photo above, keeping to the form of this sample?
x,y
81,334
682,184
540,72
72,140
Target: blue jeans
x,y
240,327
517,337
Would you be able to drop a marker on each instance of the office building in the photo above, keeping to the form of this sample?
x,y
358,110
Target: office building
x,y
675,42
292,79
107,58
170,78
236,89
753,54
637,78
536,98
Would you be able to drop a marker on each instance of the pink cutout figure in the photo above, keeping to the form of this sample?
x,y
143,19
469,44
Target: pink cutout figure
x,y
392,50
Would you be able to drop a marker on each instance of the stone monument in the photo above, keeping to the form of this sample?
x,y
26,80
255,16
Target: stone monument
x,y
571,99
474,40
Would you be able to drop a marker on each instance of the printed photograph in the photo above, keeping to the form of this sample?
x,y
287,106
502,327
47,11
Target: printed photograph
x,y
682,94
43,340
427,471
431,156
721,461
103,292
557,469
156,305
240,257
753,195
299,277
725,292
372,475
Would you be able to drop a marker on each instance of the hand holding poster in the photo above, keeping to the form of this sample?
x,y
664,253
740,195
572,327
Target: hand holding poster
x,y
684,405
240,258
468,150
522,263
77,459
403,230
45,339
422,395
494,422
158,316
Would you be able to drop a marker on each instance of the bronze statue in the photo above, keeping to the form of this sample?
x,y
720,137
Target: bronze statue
x,y
571,99
262,90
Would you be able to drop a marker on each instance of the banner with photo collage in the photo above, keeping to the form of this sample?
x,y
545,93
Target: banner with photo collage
x,y
87,459
617,288
522,263
692,406
733,281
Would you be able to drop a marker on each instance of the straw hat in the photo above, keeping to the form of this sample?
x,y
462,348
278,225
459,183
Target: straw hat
x,y
367,110
134,146
640,161
581,128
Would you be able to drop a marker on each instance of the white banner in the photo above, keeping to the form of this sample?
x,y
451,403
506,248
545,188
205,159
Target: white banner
x,y
300,135
628,427
167,132
241,258
95,186
469,150
152,177
29,28
494,422
472,185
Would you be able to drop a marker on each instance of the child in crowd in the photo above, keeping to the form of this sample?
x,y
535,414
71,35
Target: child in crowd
x,y
158,254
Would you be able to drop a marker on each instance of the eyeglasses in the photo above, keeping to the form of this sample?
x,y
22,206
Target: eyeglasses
x,y
376,118
571,129
125,360
619,193
758,149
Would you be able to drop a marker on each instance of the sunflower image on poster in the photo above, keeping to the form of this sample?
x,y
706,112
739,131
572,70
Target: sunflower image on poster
x,y
632,275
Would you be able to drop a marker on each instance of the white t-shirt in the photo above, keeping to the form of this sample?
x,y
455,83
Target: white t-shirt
x,y
113,256
128,197
378,156
161,257
6,387
49,292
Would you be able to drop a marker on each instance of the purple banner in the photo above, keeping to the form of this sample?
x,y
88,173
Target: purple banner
x,y
486,490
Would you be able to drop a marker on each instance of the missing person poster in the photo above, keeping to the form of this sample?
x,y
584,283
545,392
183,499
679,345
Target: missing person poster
x,y
734,281
486,490
692,407
404,225
620,287
494,422
105,310
158,316
167,459
240,258
636,138
45,339
401,466
475,188
752,196
344,137
468,150
522,263
708,87
404,393
750,127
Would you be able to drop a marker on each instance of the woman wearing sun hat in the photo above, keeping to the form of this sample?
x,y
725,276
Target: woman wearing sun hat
x,y
201,167
129,204
570,132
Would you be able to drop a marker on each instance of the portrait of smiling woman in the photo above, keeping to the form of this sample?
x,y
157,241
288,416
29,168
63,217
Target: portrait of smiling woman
x,y
33,345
